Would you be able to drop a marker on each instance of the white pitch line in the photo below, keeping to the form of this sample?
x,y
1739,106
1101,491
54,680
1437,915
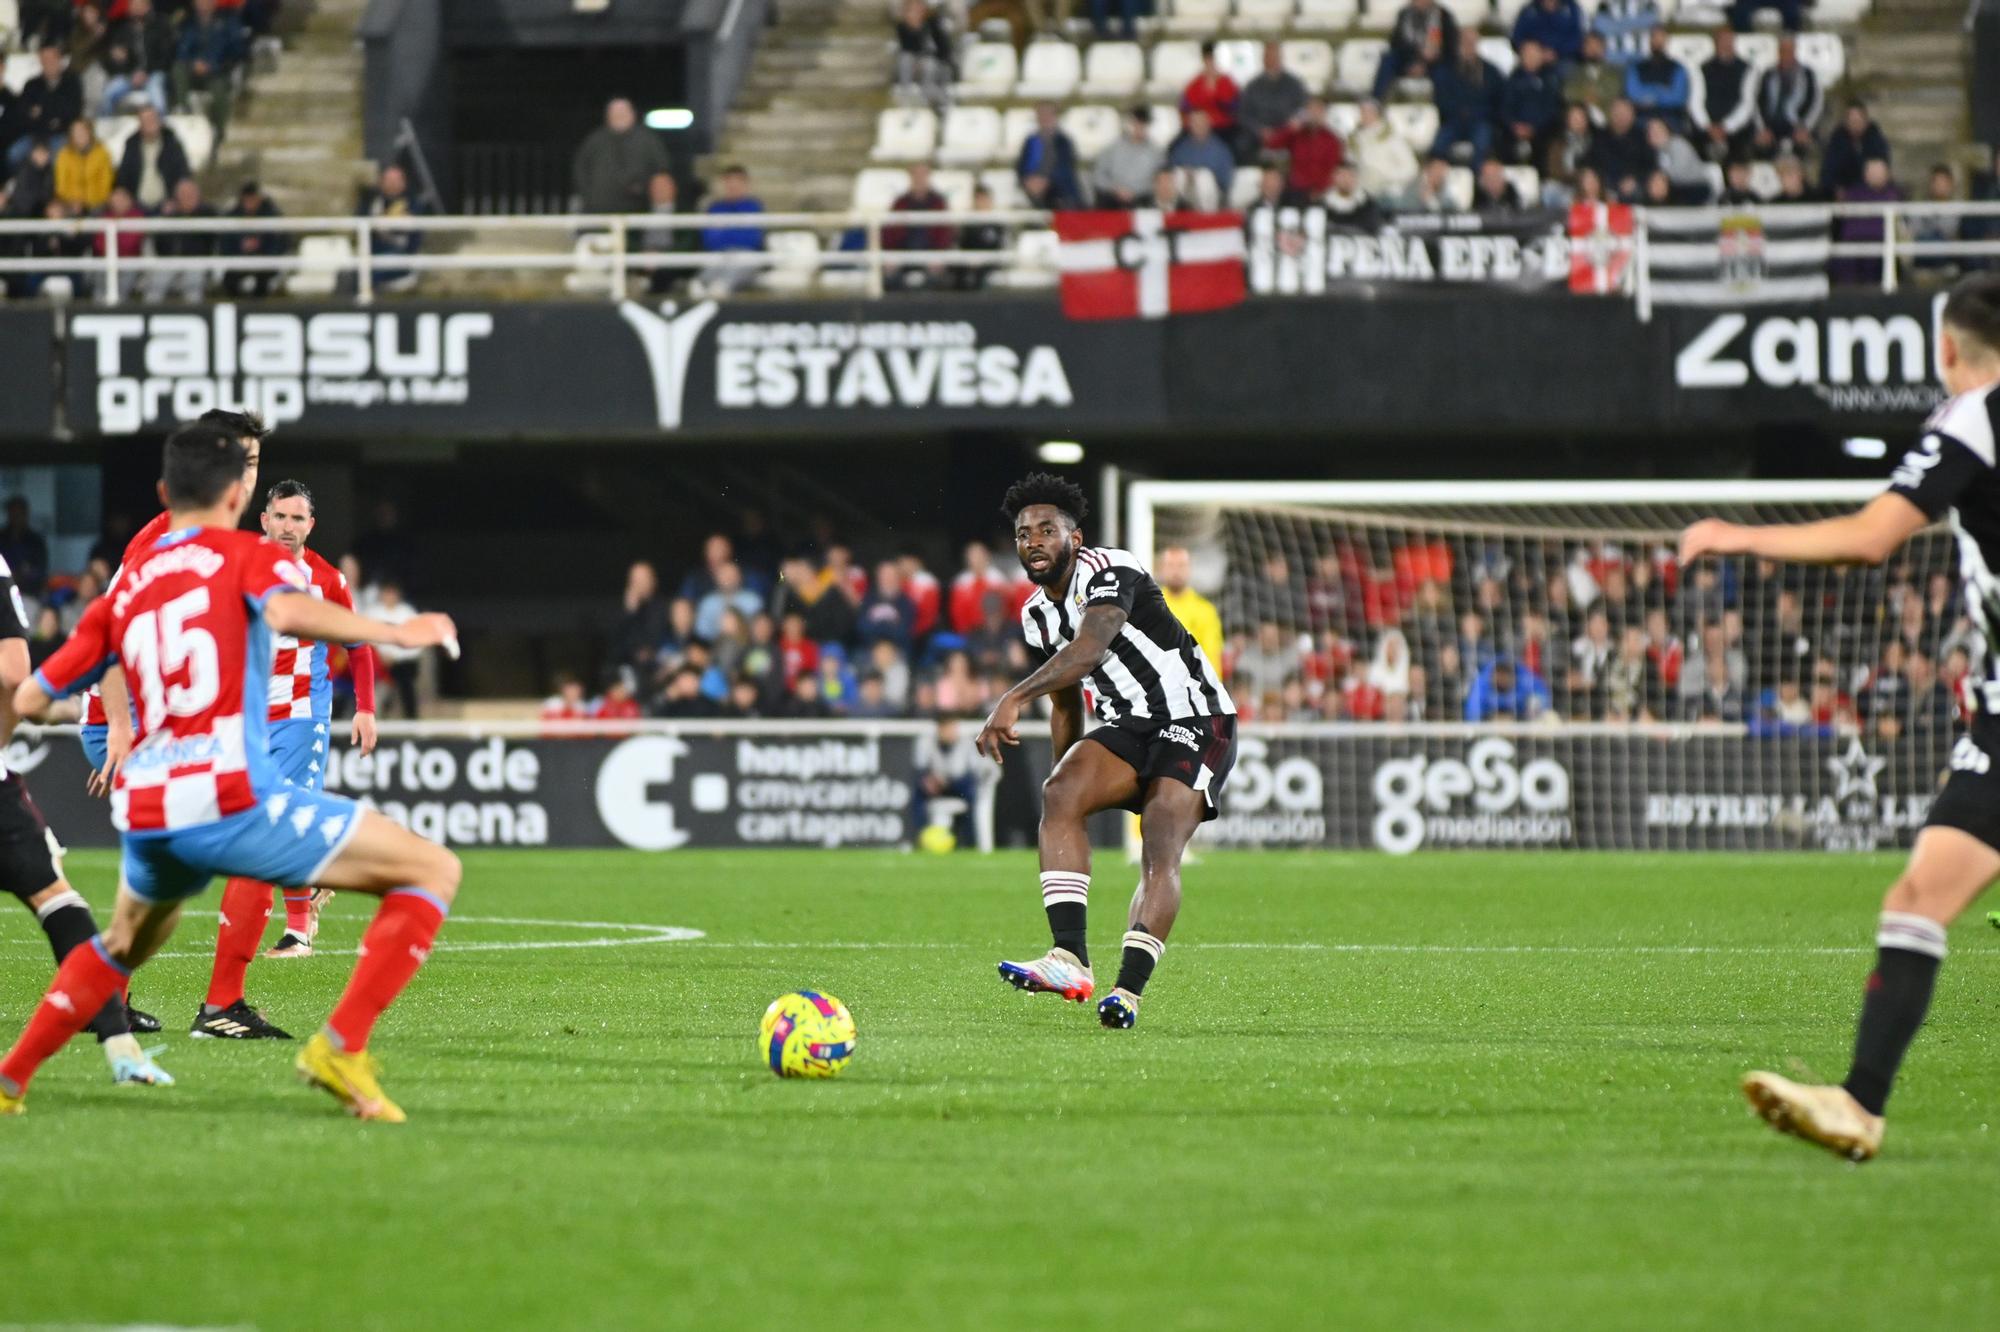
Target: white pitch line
x,y
1611,950
645,934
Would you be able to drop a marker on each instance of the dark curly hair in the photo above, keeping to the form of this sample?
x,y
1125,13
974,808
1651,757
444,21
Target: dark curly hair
x,y
1045,488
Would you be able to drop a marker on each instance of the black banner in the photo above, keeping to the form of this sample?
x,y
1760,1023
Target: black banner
x,y
1310,251
27,373
1850,356
652,792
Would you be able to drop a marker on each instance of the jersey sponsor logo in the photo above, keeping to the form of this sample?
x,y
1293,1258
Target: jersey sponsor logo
x,y
1917,463
1101,592
159,368
1969,757
1424,801
1180,735
1851,362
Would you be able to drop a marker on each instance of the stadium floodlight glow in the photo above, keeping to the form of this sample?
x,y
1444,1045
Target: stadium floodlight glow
x,y
1061,452
669,118
1863,446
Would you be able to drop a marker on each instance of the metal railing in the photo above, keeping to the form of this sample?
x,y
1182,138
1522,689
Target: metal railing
x,y
604,254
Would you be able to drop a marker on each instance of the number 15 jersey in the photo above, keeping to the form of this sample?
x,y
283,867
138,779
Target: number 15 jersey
x,y
185,621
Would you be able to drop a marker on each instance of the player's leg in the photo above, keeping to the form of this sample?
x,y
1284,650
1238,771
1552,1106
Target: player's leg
x,y
1092,777
87,979
300,748
1949,867
65,918
416,881
1173,812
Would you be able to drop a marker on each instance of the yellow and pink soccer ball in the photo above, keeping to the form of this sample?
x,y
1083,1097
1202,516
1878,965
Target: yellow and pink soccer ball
x,y
806,1035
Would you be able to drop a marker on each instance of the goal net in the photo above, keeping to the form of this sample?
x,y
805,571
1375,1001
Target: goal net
x,y
1525,665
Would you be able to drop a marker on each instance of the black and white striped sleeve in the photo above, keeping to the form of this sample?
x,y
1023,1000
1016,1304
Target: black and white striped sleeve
x,y
13,608
1955,451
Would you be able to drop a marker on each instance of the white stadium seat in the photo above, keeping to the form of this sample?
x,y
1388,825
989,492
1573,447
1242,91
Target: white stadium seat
x,y
795,263
1499,53
1244,187
1198,16
1005,189
1527,183
905,134
990,70
1691,48
1458,186
1379,15
1014,131
1174,66
1343,117
1198,187
1050,69
1844,13
875,188
19,68
1759,48
1114,70
1506,11
10,20
1034,261
1825,55
1241,60
1415,123
1271,16
1166,126
1093,128
956,187
1312,61
1473,13
1357,64
112,131
970,136
322,260
1326,15
197,138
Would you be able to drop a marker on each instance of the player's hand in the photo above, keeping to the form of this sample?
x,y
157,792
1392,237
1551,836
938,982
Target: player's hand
x,y
1710,536
430,629
1001,729
117,748
361,734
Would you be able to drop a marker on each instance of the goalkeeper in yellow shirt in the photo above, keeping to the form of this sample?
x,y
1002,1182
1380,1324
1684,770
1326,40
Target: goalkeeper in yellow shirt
x,y
1195,612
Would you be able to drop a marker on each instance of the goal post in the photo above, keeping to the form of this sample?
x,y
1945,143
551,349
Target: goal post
x,y
1523,664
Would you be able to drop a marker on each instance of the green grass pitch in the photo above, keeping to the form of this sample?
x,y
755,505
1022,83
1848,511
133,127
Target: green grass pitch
x,y
1490,1091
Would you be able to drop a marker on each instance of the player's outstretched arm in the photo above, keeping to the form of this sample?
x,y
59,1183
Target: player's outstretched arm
x,y
1867,536
304,616
1064,671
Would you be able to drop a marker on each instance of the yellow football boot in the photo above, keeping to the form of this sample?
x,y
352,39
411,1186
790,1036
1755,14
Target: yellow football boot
x,y
350,1078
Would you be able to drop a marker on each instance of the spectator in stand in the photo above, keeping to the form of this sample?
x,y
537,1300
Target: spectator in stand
x,y
663,200
154,163
1555,25
1506,690
1174,570
616,162
1348,205
1866,228
642,620
1531,105
1743,13
1736,191
1272,101
388,202
1493,195
1629,685
1627,27
1214,94
1789,102
970,587
1313,150
1422,34
1793,187
131,244
1718,694
1167,196
1269,592
1687,175
185,284
1468,103
142,39
1431,191
734,270
716,550
251,201
1201,148
1124,171
1724,115
919,197
1049,152
1621,154
1941,187
84,175
1852,144
826,606
978,236
25,550
1266,664
991,642
1387,164
128,93
886,615
1128,19
925,69
1658,85
47,104
1594,81
728,594
205,61
568,703
1569,152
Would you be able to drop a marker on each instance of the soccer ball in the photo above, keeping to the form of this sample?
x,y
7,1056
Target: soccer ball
x,y
937,839
806,1035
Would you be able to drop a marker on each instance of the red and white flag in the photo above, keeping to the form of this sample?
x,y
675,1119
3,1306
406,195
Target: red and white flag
x,y
1148,264
1600,247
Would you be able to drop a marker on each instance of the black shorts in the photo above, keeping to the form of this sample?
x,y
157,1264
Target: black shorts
x,y
28,849
1970,800
1197,751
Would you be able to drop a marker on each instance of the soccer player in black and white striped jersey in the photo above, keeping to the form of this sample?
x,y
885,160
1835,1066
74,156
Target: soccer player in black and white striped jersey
x,y
1164,748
